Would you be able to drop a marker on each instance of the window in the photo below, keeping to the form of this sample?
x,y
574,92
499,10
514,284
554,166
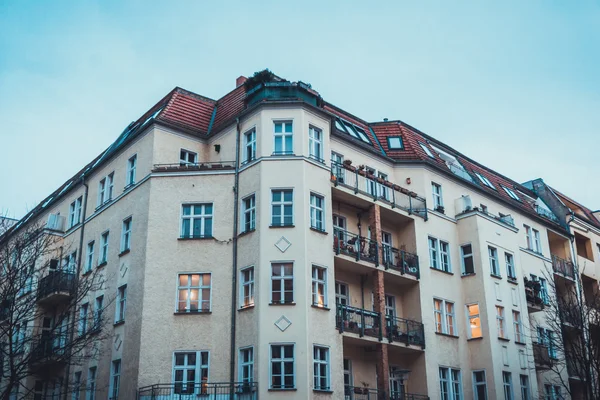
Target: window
x,y
115,379
98,310
282,366
450,384
319,286
190,371
439,255
508,391
353,130
474,321
247,281
131,168
70,262
317,205
342,295
522,359
511,193
500,322
480,385
91,384
544,291
315,143
126,235
553,392
103,259
187,157
533,239
382,190
426,150
89,257
536,241
443,313
466,254
249,213
246,365
249,146
76,386
196,221
105,189
83,317
337,167
485,180
518,324
75,212
524,379
282,207
193,293
284,138
510,266
395,143
436,190
282,283
121,303
321,368
504,351
494,267
546,338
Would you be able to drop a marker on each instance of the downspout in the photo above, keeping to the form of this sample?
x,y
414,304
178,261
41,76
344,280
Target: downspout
x,y
76,282
236,199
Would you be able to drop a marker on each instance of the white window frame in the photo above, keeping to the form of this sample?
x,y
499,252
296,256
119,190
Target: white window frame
x,y
473,317
281,205
437,194
339,297
315,143
192,217
126,234
115,379
426,150
518,326
249,213
501,322
283,136
104,240
507,385
439,254
511,193
452,378
525,389
447,324
321,358
319,283
485,180
98,311
90,256
511,272
121,304
282,361
90,393
187,157
199,290
75,212
246,364
464,256
198,367
317,212
247,287
249,146
494,264
131,170
105,189
282,278
477,383
337,167
83,318
537,241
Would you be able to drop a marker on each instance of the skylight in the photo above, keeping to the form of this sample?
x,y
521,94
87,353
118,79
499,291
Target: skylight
x,y
395,143
511,193
353,130
453,164
426,150
485,180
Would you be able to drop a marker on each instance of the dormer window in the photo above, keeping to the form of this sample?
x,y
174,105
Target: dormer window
x,y
187,157
453,164
353,130
485,181
395,143
511,193
426,150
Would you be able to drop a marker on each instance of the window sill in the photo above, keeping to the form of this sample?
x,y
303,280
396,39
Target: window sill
x,y
86,273
121,254
503,339
514,281
475,339
118,323
447,335
324,308
250,307
442,271
191,312
283,390
317,159
321,231
324,391
283,154
521,343
248,161
102,264
101,206
195,238
128,186
291,303
93,331
496,276
281,226
467,275
244,233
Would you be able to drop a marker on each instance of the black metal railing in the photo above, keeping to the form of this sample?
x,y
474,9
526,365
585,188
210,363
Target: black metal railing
x,y
353,245
563,267
49,348
541,356
407,396
360,393
405,330
206,390
197,166
357,320
360,181
400,260
56,282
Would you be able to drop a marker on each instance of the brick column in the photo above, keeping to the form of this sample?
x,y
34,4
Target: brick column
x,y
375,225
383,372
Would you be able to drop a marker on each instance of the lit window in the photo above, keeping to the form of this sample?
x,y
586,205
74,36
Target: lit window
x,y
193,293
317,205
249,213
443,313
90,256
500,322
450,384
474,327
485,180
511,193
480,385
466,254
126,235
115,379
319,286
321,368
187,157
90,393
508,390
315,143
518,327
494,267
395,143
510,266
283,137
438,201
282,207
282,366
196,220
282,283
249,146
247,284
190,372
75,212
131,169
103,249
426,150
121,304
246,365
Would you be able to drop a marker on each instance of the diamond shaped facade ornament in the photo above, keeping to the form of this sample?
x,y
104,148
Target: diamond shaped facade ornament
x,y
283,323
283,244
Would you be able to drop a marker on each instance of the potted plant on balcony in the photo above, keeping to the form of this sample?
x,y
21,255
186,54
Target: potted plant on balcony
x,y
362,390
347,162
440,209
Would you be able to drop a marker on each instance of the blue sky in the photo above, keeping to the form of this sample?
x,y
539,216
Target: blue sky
x,y
512,84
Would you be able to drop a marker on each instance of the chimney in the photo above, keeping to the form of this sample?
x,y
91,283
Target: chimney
x,y
385,120
240,81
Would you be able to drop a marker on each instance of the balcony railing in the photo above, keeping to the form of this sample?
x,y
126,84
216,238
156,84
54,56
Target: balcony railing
x,y
400,260
189,391
56,282
198,166
357,320
541,356
379,189
359,247
49,349
406,331
563,267
546,214
366,393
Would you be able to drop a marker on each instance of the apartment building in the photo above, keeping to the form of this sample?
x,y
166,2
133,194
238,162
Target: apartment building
x,y
269,244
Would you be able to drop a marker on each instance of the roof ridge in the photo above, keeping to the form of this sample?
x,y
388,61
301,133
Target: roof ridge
x,y
189,92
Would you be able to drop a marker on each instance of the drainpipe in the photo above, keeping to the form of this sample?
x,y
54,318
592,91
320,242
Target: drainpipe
x,y
73,314
236,199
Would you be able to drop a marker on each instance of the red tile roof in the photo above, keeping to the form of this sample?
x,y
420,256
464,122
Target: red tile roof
x,y
356,121
229,106
580,210
188,111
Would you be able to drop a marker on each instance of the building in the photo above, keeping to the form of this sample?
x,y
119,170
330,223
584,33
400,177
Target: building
x,y
272,239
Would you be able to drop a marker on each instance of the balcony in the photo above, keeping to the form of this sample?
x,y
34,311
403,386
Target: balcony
x,y
366,393
358,321
563,267
546,214
402,261
406,331
355,246
56,287
534,296
541,357
197,166
212,391
49,352
358,181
